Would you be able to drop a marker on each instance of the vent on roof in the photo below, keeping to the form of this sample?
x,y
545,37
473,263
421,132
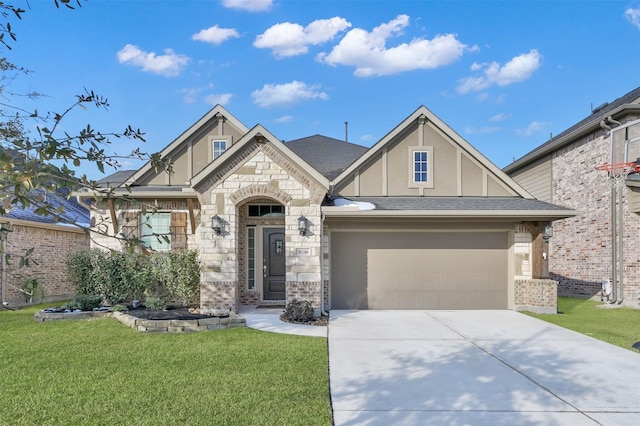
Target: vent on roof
x,y
598,108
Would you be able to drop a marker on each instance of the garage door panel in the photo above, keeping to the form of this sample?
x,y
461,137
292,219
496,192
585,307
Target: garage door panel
x,y
420,270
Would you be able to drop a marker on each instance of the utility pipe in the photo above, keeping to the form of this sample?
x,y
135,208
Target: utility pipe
x,y
621,244
614,250
322,289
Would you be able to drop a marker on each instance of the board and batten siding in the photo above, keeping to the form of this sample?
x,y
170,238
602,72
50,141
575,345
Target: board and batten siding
x,y
537,179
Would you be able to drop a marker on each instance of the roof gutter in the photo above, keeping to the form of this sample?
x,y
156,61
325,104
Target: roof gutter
x,y
565,140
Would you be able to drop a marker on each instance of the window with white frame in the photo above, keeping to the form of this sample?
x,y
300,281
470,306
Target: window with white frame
x,y
155,231
420,166
219,146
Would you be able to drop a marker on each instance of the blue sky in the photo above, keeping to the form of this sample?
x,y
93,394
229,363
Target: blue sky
x,y
503,74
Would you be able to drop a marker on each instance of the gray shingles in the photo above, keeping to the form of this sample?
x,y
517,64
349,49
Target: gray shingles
x,y
458,203
327,155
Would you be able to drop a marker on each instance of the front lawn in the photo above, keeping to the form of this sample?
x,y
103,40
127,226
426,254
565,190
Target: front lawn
x,y
620,326
102,372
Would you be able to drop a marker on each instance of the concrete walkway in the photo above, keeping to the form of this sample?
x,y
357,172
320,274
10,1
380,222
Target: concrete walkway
x,y
475,368
268,319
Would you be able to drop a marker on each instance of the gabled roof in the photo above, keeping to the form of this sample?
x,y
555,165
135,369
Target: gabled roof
x,y
424,111
267,137
327,155
629,101
218,109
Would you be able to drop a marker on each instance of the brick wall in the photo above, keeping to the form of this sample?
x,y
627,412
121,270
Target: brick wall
x,y
52,246
581,246
539,296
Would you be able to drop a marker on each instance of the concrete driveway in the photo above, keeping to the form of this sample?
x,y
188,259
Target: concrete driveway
x,y
475,368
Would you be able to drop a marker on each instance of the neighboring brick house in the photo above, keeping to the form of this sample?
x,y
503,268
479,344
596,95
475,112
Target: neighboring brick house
x,y
52,243
563,171
421,220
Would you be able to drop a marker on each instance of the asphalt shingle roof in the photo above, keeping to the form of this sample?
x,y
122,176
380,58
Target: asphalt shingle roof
x,y
327,155
459,203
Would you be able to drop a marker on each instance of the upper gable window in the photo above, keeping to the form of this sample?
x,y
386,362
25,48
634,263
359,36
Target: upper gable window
x,y
219,146
420,167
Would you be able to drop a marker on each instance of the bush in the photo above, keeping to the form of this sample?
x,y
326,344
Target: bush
x,y
154,303
123,277
298,311
183,277
81,269
87,302
119,308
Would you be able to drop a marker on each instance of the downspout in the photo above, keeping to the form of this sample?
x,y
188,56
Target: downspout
x,y
614,249
621,245
322,289
82,203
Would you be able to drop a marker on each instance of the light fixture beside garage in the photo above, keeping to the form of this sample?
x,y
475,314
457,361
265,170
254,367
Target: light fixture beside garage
x,y
302,225
547,232
217,224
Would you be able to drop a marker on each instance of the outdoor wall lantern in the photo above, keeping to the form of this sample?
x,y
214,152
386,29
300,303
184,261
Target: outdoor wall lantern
x,y
547,232
217,224
302,225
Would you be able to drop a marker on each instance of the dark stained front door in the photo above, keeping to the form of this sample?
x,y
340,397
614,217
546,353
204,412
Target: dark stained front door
x,y
274,269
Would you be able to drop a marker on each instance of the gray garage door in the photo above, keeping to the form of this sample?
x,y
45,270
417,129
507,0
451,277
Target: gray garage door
x,y
419,270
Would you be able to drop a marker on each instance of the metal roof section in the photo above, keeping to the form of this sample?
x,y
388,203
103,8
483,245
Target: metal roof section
x,y
327,155
424,111
627,102
73,212
451,207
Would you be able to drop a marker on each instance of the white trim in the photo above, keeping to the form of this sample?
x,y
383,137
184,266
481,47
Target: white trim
x,y
429,183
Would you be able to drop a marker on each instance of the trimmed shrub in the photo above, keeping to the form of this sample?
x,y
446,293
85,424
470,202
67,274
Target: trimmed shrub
x,y
87,302
154,303
123,277
298,311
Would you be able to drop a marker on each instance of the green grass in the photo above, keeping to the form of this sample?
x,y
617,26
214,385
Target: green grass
x,y
101,372
619,326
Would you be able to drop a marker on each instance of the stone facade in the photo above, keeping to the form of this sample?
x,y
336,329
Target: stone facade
x,y
580,250
263,174
52,245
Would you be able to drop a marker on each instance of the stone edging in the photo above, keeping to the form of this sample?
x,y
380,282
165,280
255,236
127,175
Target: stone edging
x,y
42,316
180,326
233,320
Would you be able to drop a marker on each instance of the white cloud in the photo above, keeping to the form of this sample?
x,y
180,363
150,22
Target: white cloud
x,y
215,99
532,129
516,70
189,95
287,39
285,119
215,35
367,51
249,5
633,16
288,94
481,130
498,117
367,138
170,64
